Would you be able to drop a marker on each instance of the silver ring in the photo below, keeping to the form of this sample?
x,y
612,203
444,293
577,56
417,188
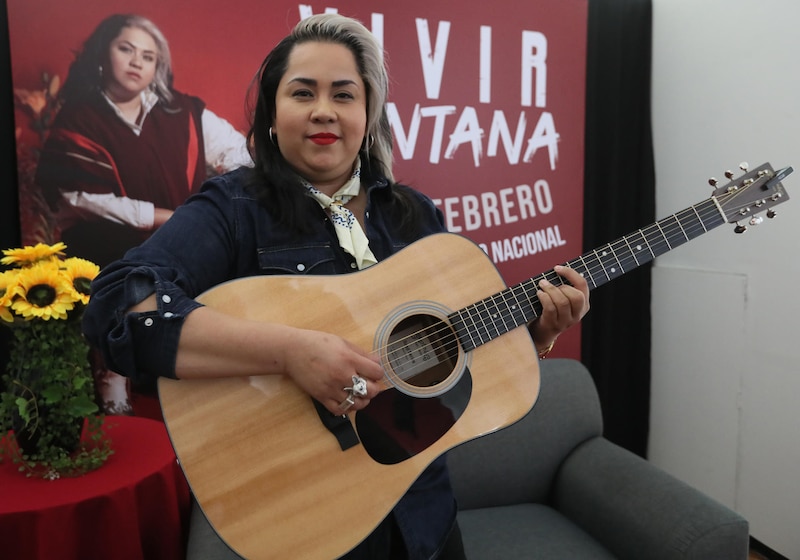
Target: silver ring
x,y
359,388
345,405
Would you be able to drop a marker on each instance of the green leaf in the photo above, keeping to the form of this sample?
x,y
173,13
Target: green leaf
x,y
53,393
22,409
82,405
79,381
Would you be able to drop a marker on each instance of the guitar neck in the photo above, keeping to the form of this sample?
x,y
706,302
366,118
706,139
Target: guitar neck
x,y
518,305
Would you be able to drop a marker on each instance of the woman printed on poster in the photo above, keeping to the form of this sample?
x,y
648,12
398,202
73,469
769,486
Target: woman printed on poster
x,y
126,149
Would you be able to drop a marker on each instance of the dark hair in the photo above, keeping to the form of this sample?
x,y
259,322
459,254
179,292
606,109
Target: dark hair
x,y
85,76
277,183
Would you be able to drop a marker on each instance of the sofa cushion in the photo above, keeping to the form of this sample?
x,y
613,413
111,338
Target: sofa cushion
x,y
525,531
522,459
602,487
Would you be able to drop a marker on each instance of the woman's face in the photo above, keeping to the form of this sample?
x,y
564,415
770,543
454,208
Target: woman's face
x,y
321,113
133,57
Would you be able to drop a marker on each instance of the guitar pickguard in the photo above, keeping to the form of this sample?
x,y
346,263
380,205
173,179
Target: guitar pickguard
x,y
396,426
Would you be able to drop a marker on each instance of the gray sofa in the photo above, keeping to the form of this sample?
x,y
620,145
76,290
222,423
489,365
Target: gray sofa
x,y
551,487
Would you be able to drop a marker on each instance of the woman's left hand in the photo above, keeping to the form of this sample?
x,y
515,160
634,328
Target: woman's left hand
x,y
562,306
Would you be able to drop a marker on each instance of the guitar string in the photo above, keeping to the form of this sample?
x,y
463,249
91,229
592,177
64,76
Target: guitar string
x,y
619,243
693,231
667,227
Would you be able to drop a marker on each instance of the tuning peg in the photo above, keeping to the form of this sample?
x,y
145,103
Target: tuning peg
x,y
756,220
740,228
744,166
713,181
729,174
770,213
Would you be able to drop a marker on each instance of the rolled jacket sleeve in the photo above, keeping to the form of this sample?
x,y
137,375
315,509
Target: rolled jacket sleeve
x,y
141,345
185,257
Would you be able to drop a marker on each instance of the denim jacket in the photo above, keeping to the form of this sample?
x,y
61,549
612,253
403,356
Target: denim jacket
x,y
223,233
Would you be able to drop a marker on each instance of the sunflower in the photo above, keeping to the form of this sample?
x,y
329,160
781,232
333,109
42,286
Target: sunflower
x,y
31,254
8,283
43,292
80,273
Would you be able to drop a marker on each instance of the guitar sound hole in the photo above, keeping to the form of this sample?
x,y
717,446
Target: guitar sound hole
x,y
422,351
432,387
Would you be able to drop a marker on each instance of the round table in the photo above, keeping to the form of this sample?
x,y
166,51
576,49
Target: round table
x,y
134,507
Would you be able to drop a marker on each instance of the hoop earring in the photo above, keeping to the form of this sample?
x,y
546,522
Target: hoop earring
x,y
369,141
272,137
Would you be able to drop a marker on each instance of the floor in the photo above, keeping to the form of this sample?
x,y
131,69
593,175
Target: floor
x,y
758,551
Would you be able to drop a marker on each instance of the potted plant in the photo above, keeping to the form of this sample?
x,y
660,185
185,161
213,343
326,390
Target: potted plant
x,y
47,400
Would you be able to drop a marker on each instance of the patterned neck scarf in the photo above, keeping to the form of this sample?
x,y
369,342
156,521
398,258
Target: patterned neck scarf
x,y
351,237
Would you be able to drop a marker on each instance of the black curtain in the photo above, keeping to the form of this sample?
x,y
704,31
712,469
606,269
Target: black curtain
x,y
9,212
619,198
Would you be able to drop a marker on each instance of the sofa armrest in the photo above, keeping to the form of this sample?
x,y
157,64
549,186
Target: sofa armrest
x,y
639,511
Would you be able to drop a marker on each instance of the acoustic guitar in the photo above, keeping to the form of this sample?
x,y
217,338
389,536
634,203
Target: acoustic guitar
x,y
279,477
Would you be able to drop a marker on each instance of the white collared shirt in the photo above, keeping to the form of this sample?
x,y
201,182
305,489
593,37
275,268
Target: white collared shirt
x,y
225,150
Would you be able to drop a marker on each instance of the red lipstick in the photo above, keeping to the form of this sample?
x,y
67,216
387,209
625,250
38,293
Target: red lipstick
x,y
323,138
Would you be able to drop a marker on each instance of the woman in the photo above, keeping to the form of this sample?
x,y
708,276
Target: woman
x,y
319,132
125,148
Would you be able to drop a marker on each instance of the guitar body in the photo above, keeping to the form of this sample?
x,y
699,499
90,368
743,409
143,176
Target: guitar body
x,y
275,482
271,478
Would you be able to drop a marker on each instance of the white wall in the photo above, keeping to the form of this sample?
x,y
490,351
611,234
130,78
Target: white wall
x,y
726,351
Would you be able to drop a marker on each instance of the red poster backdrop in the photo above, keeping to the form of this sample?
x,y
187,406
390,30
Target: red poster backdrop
x,y
487,102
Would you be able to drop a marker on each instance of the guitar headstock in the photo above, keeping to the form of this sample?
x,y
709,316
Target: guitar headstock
x,y
756,191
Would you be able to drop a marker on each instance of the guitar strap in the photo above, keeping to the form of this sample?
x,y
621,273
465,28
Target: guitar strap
x,y
339,425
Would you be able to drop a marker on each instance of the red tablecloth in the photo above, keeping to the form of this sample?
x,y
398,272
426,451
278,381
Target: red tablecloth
x,y
134,507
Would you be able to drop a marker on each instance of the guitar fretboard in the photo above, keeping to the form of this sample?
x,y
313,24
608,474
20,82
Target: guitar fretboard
x,y
518,305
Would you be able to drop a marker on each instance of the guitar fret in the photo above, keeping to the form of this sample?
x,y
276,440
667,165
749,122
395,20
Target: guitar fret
x,y
688,222
640,247
625,255
630,249
694,225
694,209
606,259
656,240
666,239
586,271
462,330
678,221
529,287
619,262
525,305
480,324
647,243
492,314
515,310
500,312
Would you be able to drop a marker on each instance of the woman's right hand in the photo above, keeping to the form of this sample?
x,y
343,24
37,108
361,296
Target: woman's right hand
x,y
323,365
320,363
